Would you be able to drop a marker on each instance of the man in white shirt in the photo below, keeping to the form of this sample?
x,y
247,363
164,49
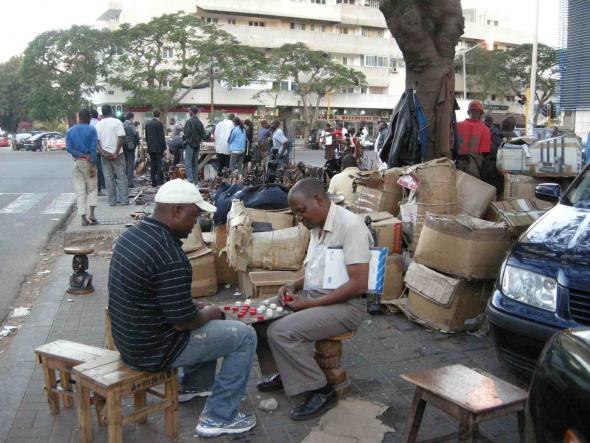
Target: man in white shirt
x,y
111,135
222,132
341,184
280,143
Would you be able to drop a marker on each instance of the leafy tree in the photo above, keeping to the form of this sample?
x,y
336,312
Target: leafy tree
x,y
61,68
160,62
509,72
315,75
12,90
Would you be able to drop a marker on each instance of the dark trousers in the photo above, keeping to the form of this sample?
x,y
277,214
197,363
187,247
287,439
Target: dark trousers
x,y
99,173
156,169
129,165
222,162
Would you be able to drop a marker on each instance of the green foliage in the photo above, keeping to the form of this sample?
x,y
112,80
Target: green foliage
x,y
61,67
161,61
315,74
508,72
12,90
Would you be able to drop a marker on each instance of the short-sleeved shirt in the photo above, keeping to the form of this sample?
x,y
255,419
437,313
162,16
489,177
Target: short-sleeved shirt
x,y
474,137
150,291
341,184
342,229
278,138
81,142
109,130
221,134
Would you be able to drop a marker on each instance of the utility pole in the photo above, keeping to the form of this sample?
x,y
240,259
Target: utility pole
x,y
533,87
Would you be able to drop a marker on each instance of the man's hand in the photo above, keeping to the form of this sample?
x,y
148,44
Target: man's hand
x,y
285,293
213,313
93,171
297,303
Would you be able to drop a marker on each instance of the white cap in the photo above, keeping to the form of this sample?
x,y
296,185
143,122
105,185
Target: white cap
x,y
182,192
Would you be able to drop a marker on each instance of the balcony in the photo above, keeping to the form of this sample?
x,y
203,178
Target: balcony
x,y
319,41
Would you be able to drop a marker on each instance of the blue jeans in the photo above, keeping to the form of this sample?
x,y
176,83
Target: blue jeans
x,y
233,341
191,162
115,177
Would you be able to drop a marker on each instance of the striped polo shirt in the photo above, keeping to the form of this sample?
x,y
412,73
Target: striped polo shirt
x,y
149,291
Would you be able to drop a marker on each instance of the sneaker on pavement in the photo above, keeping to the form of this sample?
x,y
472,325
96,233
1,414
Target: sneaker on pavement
x,y
208,427
185,394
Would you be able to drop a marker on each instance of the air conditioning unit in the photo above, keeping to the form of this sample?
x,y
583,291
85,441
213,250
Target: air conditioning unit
x,y
393,70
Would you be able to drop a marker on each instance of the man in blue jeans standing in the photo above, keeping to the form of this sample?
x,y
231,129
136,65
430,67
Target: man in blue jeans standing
x,y
194,133
156,325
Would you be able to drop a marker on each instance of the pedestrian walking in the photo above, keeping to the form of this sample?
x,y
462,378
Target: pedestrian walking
x,y
237,146
156,145
194,133
130,146
99,174
221,134
111,137
81,142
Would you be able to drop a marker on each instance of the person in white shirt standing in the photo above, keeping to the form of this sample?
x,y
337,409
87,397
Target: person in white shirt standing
x,y
222,132
111,135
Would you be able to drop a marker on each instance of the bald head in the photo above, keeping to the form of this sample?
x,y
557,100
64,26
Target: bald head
x,y
309,202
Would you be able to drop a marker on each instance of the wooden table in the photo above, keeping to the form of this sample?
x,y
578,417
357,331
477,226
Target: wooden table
x,y
469,396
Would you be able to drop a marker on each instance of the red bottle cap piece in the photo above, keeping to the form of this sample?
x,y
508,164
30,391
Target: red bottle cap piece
x,y
235,309
246,306
260,317
288,298
240,315
226,308
252,311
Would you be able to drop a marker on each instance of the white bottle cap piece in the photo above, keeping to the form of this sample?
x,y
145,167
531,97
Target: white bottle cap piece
x,y
238,303
279,309
266,302
269,312
248,301
273,306
260,310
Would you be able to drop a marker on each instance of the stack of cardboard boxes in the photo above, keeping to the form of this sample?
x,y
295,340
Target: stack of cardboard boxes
x,y
202,262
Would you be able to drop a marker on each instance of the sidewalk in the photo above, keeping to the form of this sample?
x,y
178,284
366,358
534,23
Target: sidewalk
x,y
383,348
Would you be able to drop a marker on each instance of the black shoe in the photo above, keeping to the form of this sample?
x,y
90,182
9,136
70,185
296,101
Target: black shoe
x,y
271,383
315,405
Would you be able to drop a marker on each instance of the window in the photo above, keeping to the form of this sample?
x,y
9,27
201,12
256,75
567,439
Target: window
x,y
493,97
210,19
231,21
319,2
375,61
343,30
509,98
344,60
167,53
349,90
346,2
372,32
256,23
364,89
372,3
297,26
495,22
375,90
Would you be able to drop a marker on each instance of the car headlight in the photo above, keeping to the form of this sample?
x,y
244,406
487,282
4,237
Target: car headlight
x,y
530,288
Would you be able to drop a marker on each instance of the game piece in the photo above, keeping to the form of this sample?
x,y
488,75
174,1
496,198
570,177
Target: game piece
x,y
238,303
273,306
288,298
226,308
279,309
260,317
235,309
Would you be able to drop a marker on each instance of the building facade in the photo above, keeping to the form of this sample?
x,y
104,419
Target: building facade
x,y
353,32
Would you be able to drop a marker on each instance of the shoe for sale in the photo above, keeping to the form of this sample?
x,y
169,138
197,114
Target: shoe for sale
x,y
208,427
185,394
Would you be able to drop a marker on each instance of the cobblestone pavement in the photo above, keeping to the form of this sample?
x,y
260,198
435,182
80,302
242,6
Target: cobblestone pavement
x,y
383,348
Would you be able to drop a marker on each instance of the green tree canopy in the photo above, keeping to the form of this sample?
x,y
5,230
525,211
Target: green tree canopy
x,y
61,68
161,61
12,91
315,75
508,72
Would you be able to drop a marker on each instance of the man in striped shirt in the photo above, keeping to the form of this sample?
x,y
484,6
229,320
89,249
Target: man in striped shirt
x,y
156,325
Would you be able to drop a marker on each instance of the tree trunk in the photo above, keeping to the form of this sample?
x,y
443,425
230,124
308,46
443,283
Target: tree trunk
x,y
427,34
211,85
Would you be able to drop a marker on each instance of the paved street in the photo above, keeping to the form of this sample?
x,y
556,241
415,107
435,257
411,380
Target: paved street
x,y
36,193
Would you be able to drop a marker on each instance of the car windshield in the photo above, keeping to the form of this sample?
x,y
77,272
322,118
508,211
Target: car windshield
x,y
579,196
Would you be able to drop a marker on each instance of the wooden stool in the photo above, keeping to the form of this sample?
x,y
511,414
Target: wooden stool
x,y
328,354
61,356
468,396
80,280
113,380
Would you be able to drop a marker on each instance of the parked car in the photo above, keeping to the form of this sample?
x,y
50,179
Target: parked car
x,y
558,407
56,143
35,143
21,137
543,284
4,141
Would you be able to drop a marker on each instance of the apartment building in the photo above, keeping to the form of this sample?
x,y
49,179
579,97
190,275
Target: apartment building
x,y
353,32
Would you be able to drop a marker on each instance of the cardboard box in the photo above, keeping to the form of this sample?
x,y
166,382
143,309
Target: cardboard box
x,y
373,200
278,220
520,186
266,284
513,158
220,236
204,282
473,195
394,279
225,273
194,241
518,214
445,303
388,230
463,246
279,250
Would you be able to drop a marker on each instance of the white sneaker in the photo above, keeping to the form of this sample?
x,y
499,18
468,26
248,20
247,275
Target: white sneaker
x,y
185,394
208,427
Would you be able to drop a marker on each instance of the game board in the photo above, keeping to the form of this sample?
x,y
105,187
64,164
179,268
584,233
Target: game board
x,y
254,311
